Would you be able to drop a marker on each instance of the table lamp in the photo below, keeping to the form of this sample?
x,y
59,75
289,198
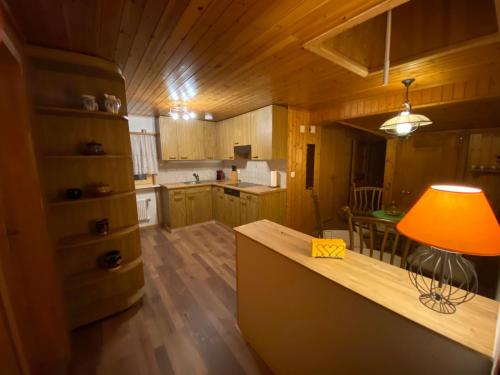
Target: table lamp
x,y
451,220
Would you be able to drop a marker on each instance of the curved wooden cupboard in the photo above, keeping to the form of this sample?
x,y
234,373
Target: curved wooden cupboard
x,y
61,129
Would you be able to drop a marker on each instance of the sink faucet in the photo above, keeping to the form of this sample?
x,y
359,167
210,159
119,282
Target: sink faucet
x,y
196,176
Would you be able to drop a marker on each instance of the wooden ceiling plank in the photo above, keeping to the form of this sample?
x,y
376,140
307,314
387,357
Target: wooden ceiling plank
x,y
202,30
81,18
131,18
162,33
153,18
243,43
111,15
222,53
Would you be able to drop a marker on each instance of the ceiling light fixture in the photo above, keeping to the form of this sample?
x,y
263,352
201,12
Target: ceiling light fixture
x,y
209,116
181,111
405,122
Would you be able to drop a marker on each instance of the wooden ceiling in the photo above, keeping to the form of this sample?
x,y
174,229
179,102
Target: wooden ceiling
x,y
228,56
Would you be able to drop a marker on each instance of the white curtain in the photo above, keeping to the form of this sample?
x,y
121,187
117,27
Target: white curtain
x,y
144,153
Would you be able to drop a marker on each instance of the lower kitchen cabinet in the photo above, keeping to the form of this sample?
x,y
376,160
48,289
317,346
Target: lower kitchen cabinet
x,y
218,203
231,214
249,208
174,208
198,205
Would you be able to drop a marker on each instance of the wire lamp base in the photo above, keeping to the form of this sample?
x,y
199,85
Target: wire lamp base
x,y
444,279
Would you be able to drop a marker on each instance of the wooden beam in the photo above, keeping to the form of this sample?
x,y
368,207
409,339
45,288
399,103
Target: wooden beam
x,y
356,20
481,87
497,8
318,46
339,59
351,125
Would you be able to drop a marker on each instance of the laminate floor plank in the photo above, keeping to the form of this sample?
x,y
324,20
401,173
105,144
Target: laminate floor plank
x,y
186,322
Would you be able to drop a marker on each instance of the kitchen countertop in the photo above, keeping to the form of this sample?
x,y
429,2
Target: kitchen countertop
x,y
473,325
257,189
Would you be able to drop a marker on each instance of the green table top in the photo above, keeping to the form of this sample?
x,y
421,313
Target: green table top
x,y
382,215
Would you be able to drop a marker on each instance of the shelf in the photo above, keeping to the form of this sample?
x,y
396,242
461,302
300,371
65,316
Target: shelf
x,y
59,111
92,238
68,202
83,157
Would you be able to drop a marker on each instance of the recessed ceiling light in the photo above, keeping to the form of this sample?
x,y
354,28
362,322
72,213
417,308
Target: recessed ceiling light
x,y
208,116
192,114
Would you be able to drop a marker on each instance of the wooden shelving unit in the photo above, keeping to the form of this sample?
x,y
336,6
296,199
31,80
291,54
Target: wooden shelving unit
x,y
60,131
68,202
72,112
91,238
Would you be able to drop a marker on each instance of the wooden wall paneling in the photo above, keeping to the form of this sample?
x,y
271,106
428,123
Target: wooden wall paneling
x,y
300,208
432,158
30,289
335,171
484,150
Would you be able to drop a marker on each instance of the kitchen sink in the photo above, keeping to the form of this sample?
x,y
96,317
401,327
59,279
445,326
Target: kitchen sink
x,y
192,182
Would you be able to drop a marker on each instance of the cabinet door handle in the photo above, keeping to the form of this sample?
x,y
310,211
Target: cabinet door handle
x,y
183,157
177,199
209,157
243,204
230,157
172,157
236,143
255,157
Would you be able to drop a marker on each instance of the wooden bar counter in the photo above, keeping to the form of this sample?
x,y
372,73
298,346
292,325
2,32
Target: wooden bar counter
x,y
353,316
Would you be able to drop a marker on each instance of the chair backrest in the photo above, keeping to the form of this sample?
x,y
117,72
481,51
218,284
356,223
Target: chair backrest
x,y
366,199
379,239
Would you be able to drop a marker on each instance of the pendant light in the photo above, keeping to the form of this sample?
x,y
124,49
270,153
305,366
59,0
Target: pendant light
x,y
405,122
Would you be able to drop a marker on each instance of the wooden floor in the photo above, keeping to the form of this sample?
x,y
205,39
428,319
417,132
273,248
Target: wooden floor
x,y
186,322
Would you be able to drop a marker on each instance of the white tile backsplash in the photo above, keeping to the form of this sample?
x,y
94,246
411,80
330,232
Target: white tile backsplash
x,y
181,171
257,172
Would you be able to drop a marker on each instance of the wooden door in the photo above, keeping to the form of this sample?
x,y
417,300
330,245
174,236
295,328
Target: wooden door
x,y
168,138
209,141
177,208
30,287
425,159
198,205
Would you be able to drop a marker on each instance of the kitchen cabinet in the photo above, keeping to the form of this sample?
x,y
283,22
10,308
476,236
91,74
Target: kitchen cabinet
x,y
265,130
168,138
225,140
209,140
231,214
186,139
174,207
218,203
249,208
198,205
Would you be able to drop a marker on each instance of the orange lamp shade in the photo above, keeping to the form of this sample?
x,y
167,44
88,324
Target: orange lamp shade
x,y
453,218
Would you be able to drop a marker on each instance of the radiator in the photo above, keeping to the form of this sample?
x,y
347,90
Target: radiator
x,y
143,209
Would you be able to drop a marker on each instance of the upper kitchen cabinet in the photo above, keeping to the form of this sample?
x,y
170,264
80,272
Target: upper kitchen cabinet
x,y
186,139
265,130
270,133
209,140
167,128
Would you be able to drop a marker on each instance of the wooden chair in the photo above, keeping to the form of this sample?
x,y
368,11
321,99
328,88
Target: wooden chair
x,y
380,239
366,199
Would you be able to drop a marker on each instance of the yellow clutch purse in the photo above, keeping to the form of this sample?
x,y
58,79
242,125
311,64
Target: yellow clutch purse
x,y
328,248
